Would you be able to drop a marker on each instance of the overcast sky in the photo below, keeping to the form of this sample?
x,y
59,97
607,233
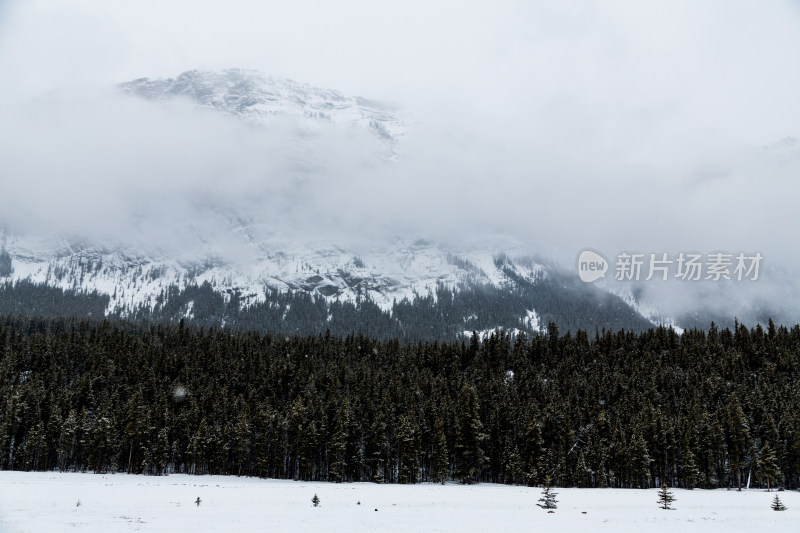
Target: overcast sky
x,y
613,125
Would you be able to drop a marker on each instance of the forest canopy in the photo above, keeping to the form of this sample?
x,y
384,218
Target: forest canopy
x,y
699,409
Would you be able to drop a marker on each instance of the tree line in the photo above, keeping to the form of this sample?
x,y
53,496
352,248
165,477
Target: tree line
x,y
705,409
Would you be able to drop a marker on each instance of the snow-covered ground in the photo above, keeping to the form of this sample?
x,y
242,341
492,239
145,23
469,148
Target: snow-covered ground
x,y
45,502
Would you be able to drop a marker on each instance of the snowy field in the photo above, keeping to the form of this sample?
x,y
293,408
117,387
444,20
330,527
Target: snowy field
x,y
48,502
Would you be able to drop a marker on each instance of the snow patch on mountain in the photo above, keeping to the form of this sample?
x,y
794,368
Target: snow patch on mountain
x,y
263,99
385,274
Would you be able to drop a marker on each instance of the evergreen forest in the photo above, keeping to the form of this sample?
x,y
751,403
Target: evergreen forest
x,y
715,408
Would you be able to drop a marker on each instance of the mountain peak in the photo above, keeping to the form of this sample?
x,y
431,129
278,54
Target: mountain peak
x,y
259,97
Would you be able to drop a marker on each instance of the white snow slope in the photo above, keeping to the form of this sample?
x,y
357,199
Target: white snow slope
x,y
38,502
394,271
260,98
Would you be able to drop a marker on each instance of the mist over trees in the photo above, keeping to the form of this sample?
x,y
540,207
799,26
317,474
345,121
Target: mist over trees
x,y
614,409
6,268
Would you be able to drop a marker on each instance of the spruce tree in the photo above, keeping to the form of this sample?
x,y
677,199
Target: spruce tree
x,y
665,497
102,441
777,504
315,500
378,447
468,452
583,474
513,465
408,450
67,441
136,428
339,443
548,499
738,433
263,440
640,462
768,465
161,452
689,471
241,444
441,462
533,451
35,447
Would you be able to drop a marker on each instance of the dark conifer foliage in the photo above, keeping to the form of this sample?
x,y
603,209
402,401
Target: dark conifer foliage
x,y
616,409
665,497
777,504
469,457
548,499
37,299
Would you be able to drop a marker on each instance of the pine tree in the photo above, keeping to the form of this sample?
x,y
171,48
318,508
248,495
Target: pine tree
x,y
241,441
315,500
378,447
303,432
533,451
548,499
67,441
441,463
738,431
468,452
665,497
161,452
408,450
264,446
513,465
35,447
689,471
583,474
768,465
777,504
136,428
640,462
339,443
102,443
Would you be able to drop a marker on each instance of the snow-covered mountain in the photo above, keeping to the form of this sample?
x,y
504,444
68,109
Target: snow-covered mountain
x,y
227,244
387,273
501,287
262,99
